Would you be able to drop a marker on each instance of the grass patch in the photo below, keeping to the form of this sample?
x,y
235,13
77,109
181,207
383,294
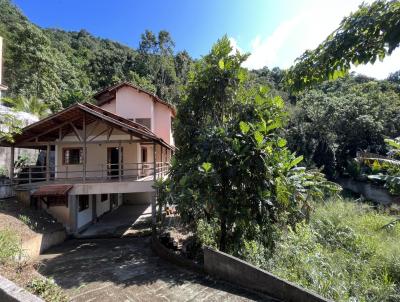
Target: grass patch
x,y
47,289
10,246
344,253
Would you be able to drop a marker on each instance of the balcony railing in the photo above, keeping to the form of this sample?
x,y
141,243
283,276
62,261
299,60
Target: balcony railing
x,y
98,172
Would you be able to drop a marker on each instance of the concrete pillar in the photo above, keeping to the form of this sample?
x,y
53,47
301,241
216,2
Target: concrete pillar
x,y
84,154
119,161
11,172
154,197
47,162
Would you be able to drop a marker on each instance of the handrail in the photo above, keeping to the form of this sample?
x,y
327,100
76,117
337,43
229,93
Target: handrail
x,y
135,171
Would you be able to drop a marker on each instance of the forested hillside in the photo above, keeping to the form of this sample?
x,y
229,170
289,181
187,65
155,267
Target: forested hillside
x,y
329,122
64,67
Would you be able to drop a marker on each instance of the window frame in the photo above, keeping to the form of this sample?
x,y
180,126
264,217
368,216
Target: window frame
x,y
141,119
69,149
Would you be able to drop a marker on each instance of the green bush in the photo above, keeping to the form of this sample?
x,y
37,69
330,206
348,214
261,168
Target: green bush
x,y
47,289
345,253
9,246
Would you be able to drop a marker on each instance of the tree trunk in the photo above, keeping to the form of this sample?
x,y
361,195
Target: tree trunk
x,y
222,239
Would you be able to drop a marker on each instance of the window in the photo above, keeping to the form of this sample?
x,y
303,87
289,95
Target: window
x,y
83,202
72,156
144,122
104,197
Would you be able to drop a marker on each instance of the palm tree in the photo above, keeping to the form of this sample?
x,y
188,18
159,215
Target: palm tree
x,y
32,105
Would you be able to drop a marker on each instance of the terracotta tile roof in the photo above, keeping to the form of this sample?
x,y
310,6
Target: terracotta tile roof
x,y
52,190
48,128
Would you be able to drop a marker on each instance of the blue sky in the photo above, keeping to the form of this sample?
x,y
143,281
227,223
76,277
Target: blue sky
x,y
275,32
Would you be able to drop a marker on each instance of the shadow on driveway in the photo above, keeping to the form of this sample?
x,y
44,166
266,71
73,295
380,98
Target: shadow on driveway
x,y
127,220
127,270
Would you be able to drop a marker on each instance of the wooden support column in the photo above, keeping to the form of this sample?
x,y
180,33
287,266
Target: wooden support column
x,y
154,199
84,153
11,172
48,162
119,161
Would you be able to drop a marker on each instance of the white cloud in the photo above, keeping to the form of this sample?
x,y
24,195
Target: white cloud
x,y
235,46
264,52
305,31
381,70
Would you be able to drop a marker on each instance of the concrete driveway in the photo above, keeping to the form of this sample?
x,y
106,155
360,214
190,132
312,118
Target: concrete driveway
x,y
127,220
127,270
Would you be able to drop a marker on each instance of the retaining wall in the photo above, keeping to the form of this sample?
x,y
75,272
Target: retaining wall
x,y
236,271
369,191
35,246
167,254
10,292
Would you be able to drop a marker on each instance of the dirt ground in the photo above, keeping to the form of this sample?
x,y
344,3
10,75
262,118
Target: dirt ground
x,y
12,214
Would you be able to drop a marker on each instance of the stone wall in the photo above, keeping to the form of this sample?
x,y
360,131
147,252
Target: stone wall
x,y
236,271
10,292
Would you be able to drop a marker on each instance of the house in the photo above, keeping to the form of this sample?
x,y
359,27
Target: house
x,y
98,157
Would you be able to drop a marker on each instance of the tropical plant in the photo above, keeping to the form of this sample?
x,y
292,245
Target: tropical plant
x,y
9,126
232,167
31,105
333,121
370,33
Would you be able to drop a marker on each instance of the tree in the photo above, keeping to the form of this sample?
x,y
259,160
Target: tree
x,y
156,60
394,77
334,120
33,105
232,169
371,33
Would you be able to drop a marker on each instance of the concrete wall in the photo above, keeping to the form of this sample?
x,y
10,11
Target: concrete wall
x,y
110,106
132,104
85,217
10,292
6,189
35,246
96,165
162,122
137,198
112,187
244,274
102,206
368,190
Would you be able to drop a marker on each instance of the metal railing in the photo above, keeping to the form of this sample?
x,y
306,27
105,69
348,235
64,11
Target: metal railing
x,y
98,172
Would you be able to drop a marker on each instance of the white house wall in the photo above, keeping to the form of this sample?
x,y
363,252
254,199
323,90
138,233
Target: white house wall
x,y
85,216
102,206
96,162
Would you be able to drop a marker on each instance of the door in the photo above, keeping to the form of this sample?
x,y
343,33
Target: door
x,y
144,160
113,161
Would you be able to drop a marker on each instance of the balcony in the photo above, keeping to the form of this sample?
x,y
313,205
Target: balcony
x,y
79,174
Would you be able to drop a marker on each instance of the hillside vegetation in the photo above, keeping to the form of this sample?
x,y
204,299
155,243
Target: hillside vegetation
x,y
62,67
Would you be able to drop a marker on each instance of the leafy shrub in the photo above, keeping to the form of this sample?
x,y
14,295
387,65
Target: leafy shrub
x,y
9,246
207,232
31,224
344,253
47,289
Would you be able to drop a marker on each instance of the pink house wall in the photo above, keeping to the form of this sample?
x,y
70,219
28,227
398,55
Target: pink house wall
x,y
132,104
